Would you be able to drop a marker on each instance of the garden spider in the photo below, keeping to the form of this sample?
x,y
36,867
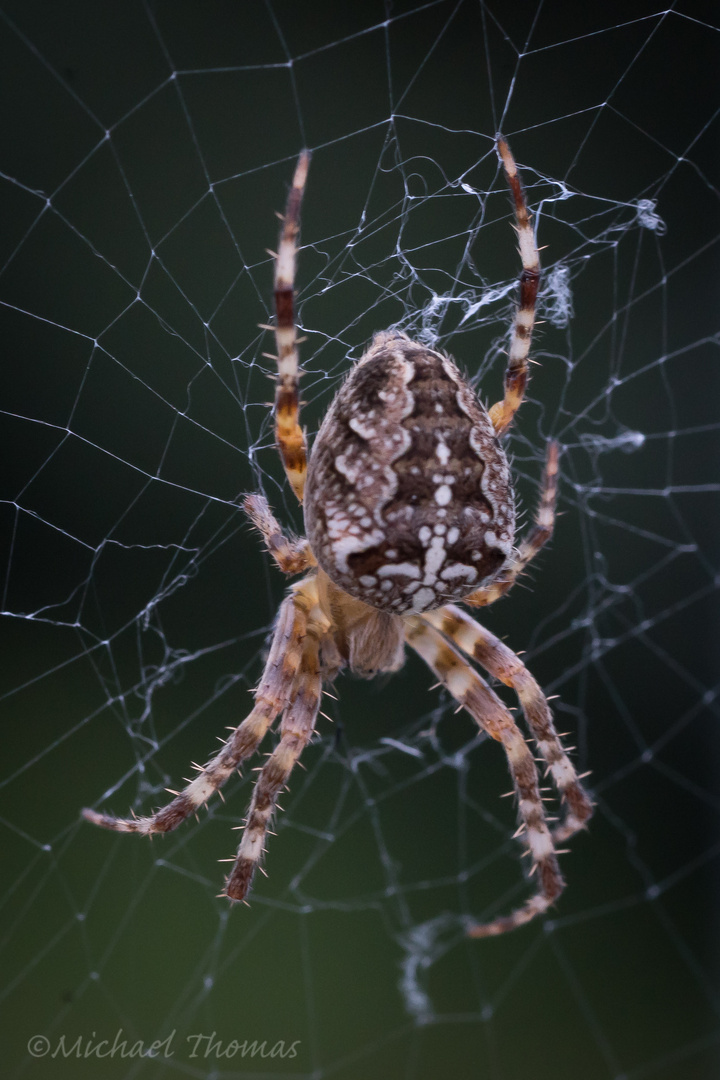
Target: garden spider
x,y
408,507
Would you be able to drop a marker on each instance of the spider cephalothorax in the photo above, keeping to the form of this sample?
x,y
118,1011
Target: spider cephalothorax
x,y
409,509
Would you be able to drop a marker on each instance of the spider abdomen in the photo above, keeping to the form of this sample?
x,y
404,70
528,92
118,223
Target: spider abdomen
x,y
408,503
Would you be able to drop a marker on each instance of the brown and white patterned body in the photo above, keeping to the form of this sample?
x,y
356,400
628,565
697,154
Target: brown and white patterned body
x,y
408,502
408,507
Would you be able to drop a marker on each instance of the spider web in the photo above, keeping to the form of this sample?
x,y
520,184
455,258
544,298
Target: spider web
x,y
144,150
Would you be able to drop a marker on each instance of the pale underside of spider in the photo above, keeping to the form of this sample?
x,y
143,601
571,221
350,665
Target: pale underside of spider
x,y
409,509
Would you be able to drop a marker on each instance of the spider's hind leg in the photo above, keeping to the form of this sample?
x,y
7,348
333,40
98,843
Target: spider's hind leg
x,y
516,375
290,436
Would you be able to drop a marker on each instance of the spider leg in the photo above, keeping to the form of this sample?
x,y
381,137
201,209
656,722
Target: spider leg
x,y
472,692
271,697
538,536
292,555
502,662
516,375
288,433
296,730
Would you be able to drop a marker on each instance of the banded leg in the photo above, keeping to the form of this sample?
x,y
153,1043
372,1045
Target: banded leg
x,y
271,697
473,693
528,548
288,433
516,375
292,555
296,730
502,662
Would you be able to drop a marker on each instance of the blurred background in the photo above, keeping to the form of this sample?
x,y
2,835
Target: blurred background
x,y
145,150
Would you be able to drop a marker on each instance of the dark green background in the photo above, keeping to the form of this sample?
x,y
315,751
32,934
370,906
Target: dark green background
x,y
136,603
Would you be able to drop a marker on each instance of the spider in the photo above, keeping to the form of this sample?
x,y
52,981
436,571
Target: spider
x,y
409,509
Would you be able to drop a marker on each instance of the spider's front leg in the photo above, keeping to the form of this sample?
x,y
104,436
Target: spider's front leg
x,y
271,697
506,666
296,730
472,692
